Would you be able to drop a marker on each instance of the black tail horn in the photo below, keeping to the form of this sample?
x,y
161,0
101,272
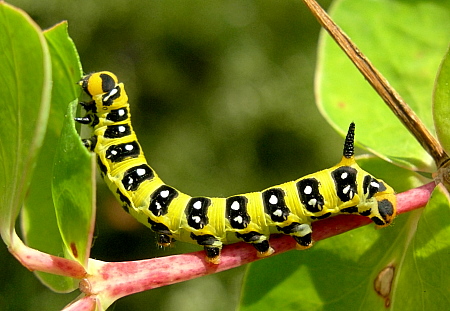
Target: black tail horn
x,y
349,145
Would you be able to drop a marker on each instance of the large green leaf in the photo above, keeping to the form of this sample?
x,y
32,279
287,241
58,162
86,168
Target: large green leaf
x,y
422,276
441,101
25,85
73,190
405,40
39,220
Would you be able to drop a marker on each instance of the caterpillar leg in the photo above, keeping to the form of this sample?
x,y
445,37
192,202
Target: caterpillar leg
x,y
211,245
304,242
259,242
84,120
164,240
90,143
212,254
302,233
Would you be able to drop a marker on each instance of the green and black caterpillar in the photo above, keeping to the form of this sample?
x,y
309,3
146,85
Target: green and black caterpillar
x,y
289,208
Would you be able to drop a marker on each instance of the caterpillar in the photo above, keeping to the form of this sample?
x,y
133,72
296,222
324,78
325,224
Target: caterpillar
x,y
288,208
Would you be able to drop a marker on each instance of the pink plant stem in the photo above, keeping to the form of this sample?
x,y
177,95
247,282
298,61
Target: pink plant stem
x,y
113,280
87,303
33,259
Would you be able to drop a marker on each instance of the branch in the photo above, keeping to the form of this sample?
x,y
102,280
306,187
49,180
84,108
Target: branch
x,y
390,96
113,280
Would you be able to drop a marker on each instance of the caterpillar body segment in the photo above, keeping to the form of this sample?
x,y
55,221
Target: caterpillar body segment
x,y
288,208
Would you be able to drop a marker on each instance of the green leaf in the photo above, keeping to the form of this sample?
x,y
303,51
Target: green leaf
x,y
422,279
335,274
405,40
38,219
441,101
73,190
25,85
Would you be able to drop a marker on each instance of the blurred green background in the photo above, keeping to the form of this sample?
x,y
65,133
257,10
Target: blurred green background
x,y
222,102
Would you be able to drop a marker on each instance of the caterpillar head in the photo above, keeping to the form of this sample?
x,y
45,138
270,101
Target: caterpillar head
x,y
98,83
105,89
386,211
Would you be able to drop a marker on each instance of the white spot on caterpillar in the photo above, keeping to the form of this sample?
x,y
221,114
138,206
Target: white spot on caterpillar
x,y
197,219
129,147
164,194
375,184
235,206
114,152
197,205
273,199
278,213
346,189
140,172
113,92
312,202
130,183
238,219
344,175
158,206
121,129
307,190
121,112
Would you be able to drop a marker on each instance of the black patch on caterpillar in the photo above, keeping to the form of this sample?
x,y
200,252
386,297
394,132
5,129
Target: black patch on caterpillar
x,y
251,237
236,212
108,98
385,208
103,168
366,213
350,210
204,239
135,176
124,199
366,183
197,211
119,152
117,131
371,186
326,215
117,115
161,199
108,82
274,204
345,181
159,227
95,120
377,221
308,190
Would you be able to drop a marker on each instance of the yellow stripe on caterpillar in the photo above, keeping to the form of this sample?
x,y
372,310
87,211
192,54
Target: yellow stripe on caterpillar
x,y
289,208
